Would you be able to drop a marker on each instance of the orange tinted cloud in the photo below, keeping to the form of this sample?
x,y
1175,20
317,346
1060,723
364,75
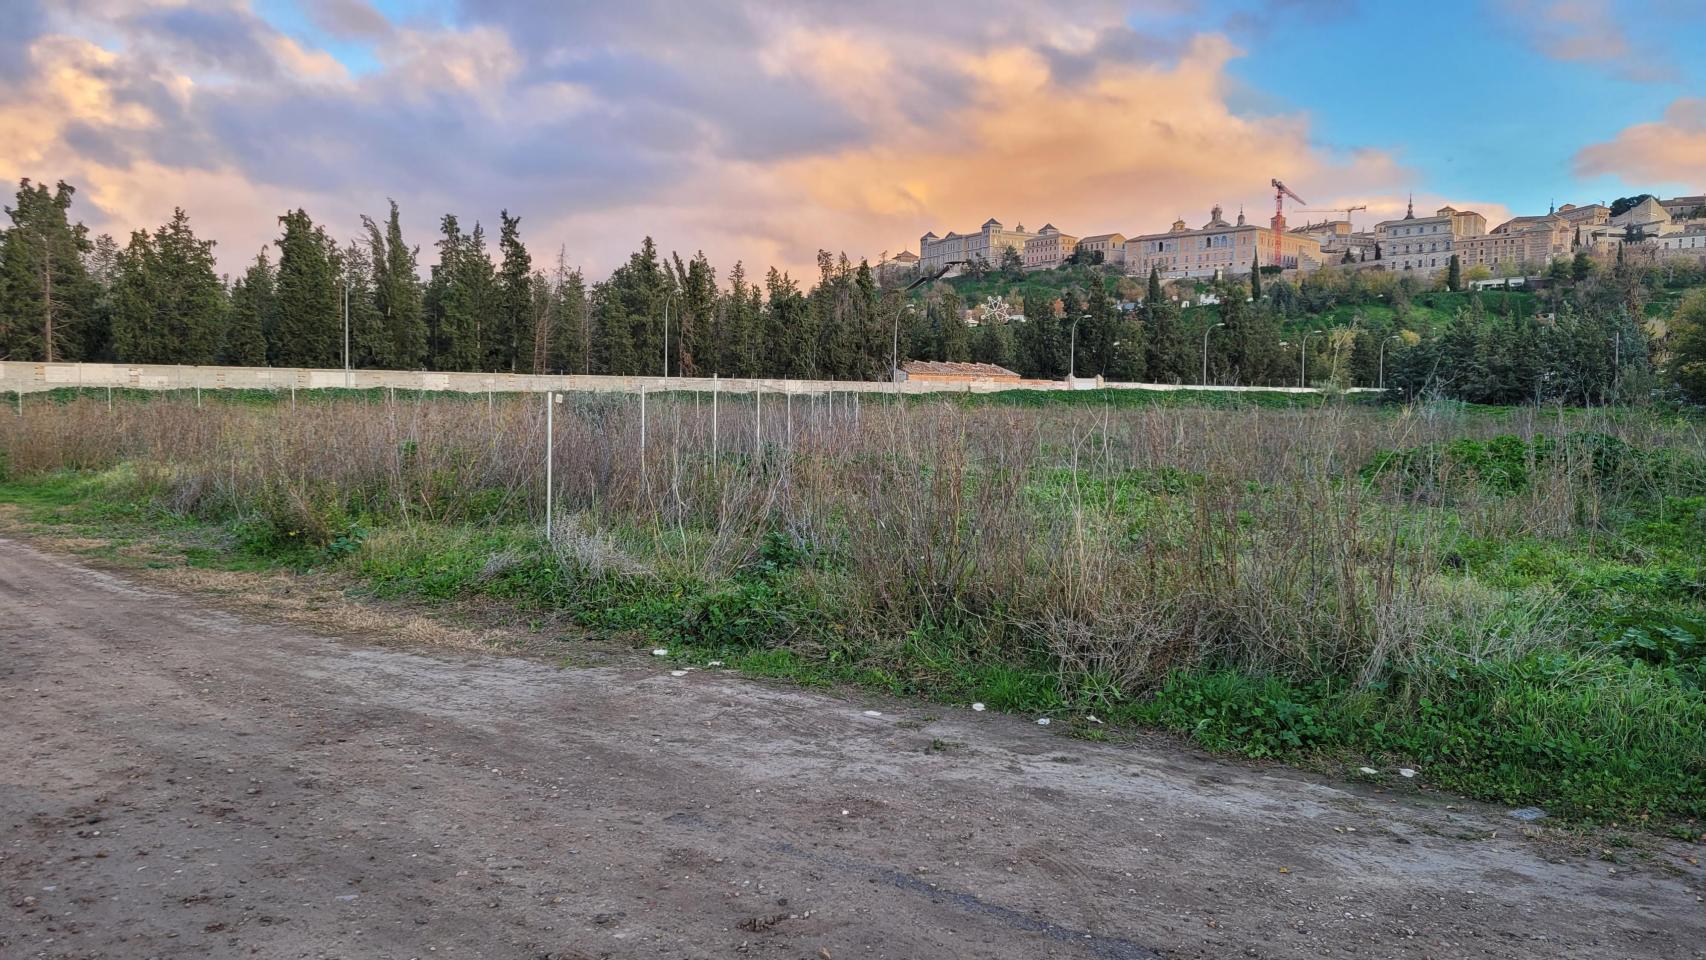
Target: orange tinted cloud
x,y
1671,150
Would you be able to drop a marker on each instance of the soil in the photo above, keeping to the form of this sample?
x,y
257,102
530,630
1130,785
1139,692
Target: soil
x,y
178,780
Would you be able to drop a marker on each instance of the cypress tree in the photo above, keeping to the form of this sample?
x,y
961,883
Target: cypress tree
x,y
310,316
171,308
397,295
1255,279
1454,274
253,303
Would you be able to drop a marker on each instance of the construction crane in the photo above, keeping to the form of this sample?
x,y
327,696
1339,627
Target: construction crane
x,y
1281,191
1347,211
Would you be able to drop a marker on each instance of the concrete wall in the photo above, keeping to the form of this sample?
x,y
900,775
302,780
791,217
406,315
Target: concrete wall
x,y
32,377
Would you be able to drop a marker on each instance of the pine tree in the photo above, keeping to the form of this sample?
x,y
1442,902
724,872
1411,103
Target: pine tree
x,y
397,295
253,305
739,315
1166,354
786,312
477,282
310,316
45,292
697,340
569,351
96,334
513,316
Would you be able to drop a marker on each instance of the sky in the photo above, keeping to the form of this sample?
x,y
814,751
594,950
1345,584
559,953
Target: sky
x,y
765,131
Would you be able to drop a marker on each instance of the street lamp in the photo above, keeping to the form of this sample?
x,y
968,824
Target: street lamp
x,y
1382,381
1072,351
666,300
1205,334
894,355
1303,358
346,334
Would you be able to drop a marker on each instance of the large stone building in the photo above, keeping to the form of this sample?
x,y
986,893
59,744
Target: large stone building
x,y
1219,248
1110,245
1518,246
987,245
1049,248
1425,244
1338,238
1684,208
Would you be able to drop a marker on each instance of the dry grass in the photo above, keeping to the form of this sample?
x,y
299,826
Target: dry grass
x,y
1124,541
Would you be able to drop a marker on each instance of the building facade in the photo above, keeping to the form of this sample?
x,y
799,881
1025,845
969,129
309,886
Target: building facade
x,y
1110,245
1683,208
1518,245
1049,248
1425,244
1219,248
987,245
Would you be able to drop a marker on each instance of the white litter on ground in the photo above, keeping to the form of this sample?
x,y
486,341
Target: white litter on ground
x,y
1042,721
660,652
873,713
979,707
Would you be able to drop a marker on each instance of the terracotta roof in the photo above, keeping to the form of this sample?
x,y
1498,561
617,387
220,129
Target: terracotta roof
x,y
955,369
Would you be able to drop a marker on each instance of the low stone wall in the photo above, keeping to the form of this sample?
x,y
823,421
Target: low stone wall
x,y
20,376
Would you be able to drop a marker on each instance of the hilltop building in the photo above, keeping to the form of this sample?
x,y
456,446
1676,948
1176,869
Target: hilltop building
x,y
1219,247
1049,248
1337,238
1684,208
988,244
1110,245
1425,244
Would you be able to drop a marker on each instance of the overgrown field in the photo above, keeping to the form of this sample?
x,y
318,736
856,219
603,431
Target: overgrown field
x,y
1509,601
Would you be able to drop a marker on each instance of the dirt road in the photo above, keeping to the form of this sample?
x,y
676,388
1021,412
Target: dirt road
x,y
176,781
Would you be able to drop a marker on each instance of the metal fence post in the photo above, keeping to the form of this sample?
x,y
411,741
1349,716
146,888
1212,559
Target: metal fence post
x,y
550,458
714,384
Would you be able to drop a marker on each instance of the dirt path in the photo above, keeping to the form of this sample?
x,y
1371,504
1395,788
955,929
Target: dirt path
x,y
178,782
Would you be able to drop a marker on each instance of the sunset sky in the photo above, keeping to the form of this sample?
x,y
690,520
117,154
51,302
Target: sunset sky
x,y
764,131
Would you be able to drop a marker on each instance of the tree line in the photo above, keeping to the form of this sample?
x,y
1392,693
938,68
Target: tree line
x,y
159,298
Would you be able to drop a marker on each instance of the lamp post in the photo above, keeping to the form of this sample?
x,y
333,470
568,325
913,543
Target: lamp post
x,y
1381,383
1205,334
1072,351
666,299
346,334
1303,358
894,349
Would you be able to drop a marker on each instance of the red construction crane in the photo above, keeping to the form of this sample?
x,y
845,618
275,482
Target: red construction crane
x,y
1281,191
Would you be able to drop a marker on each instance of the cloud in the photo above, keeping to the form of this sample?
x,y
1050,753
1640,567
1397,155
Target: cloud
x,y
1592,32
1671,150
750,130
349,19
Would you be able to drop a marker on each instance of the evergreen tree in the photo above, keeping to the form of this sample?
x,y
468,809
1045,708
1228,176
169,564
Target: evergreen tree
x,y
97,328
513,315
1688,346
253,305
1256,279
570,350
172,305
696,348
954,337
786,312
1454,274
629,315
369,340
397,295
46,296
477,282
1041,350
1165,359
310,318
